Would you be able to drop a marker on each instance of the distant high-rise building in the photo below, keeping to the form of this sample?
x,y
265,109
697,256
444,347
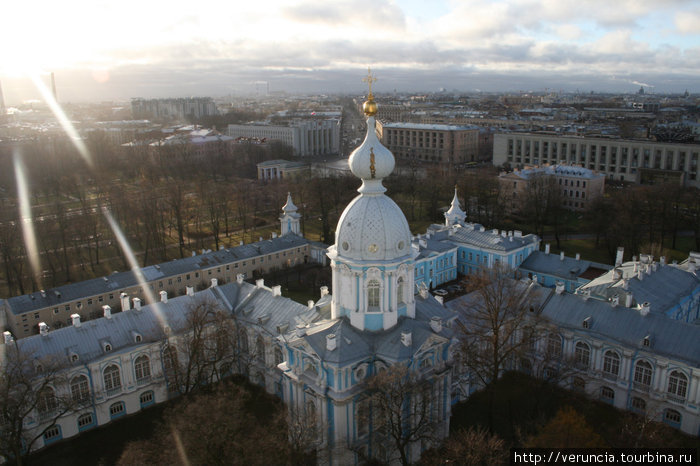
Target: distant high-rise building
x,y
173,109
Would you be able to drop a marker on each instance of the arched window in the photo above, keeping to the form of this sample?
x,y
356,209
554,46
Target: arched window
x,y
607,394
611,364
243,341
113,382
400,286
672,417
142,366
582,355
578,384
79,388
170,362
373,294
553,345
526,366
279,358
639,405
642,375
46,402
260,348
677,384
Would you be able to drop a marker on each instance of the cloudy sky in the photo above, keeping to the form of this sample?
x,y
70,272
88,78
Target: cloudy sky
x,y
103,50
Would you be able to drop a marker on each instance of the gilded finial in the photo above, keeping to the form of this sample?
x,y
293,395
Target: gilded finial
x,y
370,106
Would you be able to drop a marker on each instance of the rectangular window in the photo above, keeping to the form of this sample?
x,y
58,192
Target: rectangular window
x,y
55,310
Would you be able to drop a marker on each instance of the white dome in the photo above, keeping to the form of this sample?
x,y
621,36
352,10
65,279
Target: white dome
x,y
373,227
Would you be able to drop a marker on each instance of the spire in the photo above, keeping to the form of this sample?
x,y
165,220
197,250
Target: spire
x,y
289,206
371,162
455,214
289,220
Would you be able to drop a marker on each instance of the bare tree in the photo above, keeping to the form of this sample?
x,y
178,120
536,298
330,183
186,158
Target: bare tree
x,y
497,325
33,397
397,414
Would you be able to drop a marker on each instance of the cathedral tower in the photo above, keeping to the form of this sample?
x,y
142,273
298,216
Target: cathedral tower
x,y
372,259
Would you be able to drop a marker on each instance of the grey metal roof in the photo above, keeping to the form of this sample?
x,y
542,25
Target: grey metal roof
x,y
552,264
121,280
626,326
268,312
357,345
663,288
471,234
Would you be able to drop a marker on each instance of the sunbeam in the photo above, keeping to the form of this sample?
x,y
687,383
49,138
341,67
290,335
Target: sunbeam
x,y
133,263
25,210
63,120
180,447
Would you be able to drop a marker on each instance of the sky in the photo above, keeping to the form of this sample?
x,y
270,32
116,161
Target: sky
x,y
106,50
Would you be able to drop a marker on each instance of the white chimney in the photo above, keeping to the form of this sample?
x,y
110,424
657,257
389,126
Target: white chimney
x,y
277,290
274,235
239,278
561,256
76,319
8,337
616,274
240,243
331,343
125,301
436,324
645,308
214,282
189,290
163,296
619,256
625,283
310,303
406,338
629,299
324,291
578,256
559,287
534,278
662,260
108,310
137,303
43,329
260,282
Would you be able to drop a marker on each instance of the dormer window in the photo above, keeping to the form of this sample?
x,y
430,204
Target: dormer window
x,y
107,347
586,322
74,357
646,342
137,337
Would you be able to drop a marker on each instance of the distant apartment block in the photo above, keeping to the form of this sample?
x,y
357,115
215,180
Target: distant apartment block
x,y
618,159
431,143
306,137
579,186
172,109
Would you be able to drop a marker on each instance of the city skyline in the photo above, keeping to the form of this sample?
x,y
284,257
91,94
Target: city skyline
x,y
104,51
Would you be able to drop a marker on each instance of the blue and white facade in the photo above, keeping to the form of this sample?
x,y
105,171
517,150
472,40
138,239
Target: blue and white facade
x,y
377,321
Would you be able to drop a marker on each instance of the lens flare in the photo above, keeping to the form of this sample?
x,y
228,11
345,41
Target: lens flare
x,y
63,120
133,263
25,210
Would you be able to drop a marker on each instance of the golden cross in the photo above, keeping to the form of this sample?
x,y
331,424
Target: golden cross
x,y
369,80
